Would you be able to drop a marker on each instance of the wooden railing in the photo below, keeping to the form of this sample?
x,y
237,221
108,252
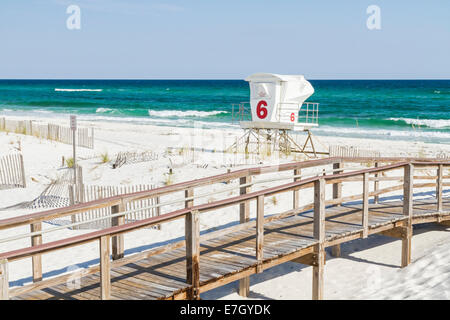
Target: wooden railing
x,y
191,214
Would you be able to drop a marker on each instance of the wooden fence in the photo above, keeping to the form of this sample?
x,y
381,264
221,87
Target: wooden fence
x,y
62,192
352,152
56,194
12,172
85,136
134,157
90,193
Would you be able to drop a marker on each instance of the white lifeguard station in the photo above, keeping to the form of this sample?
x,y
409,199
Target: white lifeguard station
x,y
277,107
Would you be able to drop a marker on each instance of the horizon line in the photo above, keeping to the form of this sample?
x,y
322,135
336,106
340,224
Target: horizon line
x,y
218,79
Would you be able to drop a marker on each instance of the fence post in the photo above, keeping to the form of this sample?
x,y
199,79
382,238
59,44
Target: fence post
x,y
117,241
244,216
408,189
105,268
2,177
259,233
296,193
73,218
4,281
36,259
58,135
439,187
92,138
365,206
79,182
22,171
319,235
192,236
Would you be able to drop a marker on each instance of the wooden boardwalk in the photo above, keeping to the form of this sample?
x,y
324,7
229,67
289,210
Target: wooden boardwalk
x,y
201,262
230,257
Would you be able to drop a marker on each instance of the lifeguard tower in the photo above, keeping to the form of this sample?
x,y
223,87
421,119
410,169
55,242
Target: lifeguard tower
x,y
277,108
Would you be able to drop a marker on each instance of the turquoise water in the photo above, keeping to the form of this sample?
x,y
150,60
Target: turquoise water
x,y
389,109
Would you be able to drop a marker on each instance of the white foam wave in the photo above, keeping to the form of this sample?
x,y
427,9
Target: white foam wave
x,y
383,133
431,123
171,122
103,110
79,90
181,114
42,111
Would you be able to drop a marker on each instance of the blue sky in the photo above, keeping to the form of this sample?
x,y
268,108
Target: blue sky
x,y
210,39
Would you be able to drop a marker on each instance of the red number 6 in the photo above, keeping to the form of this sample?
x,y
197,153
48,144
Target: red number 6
x,y
261,112
292,117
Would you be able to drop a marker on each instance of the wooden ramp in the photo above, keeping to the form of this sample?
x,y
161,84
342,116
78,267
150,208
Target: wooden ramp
x,y
231,257
203,261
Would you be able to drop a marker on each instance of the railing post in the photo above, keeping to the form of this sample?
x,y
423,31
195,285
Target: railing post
x,y
319,235
118,246
158,210
296,193
439,187
259,233
408,189
4,280
337,187
376,185
192,236
189,193
365,206
105,268
244,216
337,193
36,259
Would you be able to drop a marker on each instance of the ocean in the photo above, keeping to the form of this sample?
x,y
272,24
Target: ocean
x,y
416,110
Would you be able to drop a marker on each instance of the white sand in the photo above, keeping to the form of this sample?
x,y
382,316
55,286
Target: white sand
x,y
367,269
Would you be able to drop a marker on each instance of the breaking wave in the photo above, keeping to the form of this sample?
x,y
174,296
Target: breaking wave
x,y
431,123
181,114
79,90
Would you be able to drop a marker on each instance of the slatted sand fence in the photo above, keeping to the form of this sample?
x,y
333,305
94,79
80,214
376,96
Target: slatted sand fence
x,y
12,171
61,192
141,209
351,151
54,132
202,261
130,157
85,136
16,126
57,193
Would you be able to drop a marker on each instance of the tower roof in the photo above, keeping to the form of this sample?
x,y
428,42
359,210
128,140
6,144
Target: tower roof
x,y
271,77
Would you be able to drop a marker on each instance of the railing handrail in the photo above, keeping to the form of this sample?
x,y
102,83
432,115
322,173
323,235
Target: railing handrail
x,y
116,200
113,231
